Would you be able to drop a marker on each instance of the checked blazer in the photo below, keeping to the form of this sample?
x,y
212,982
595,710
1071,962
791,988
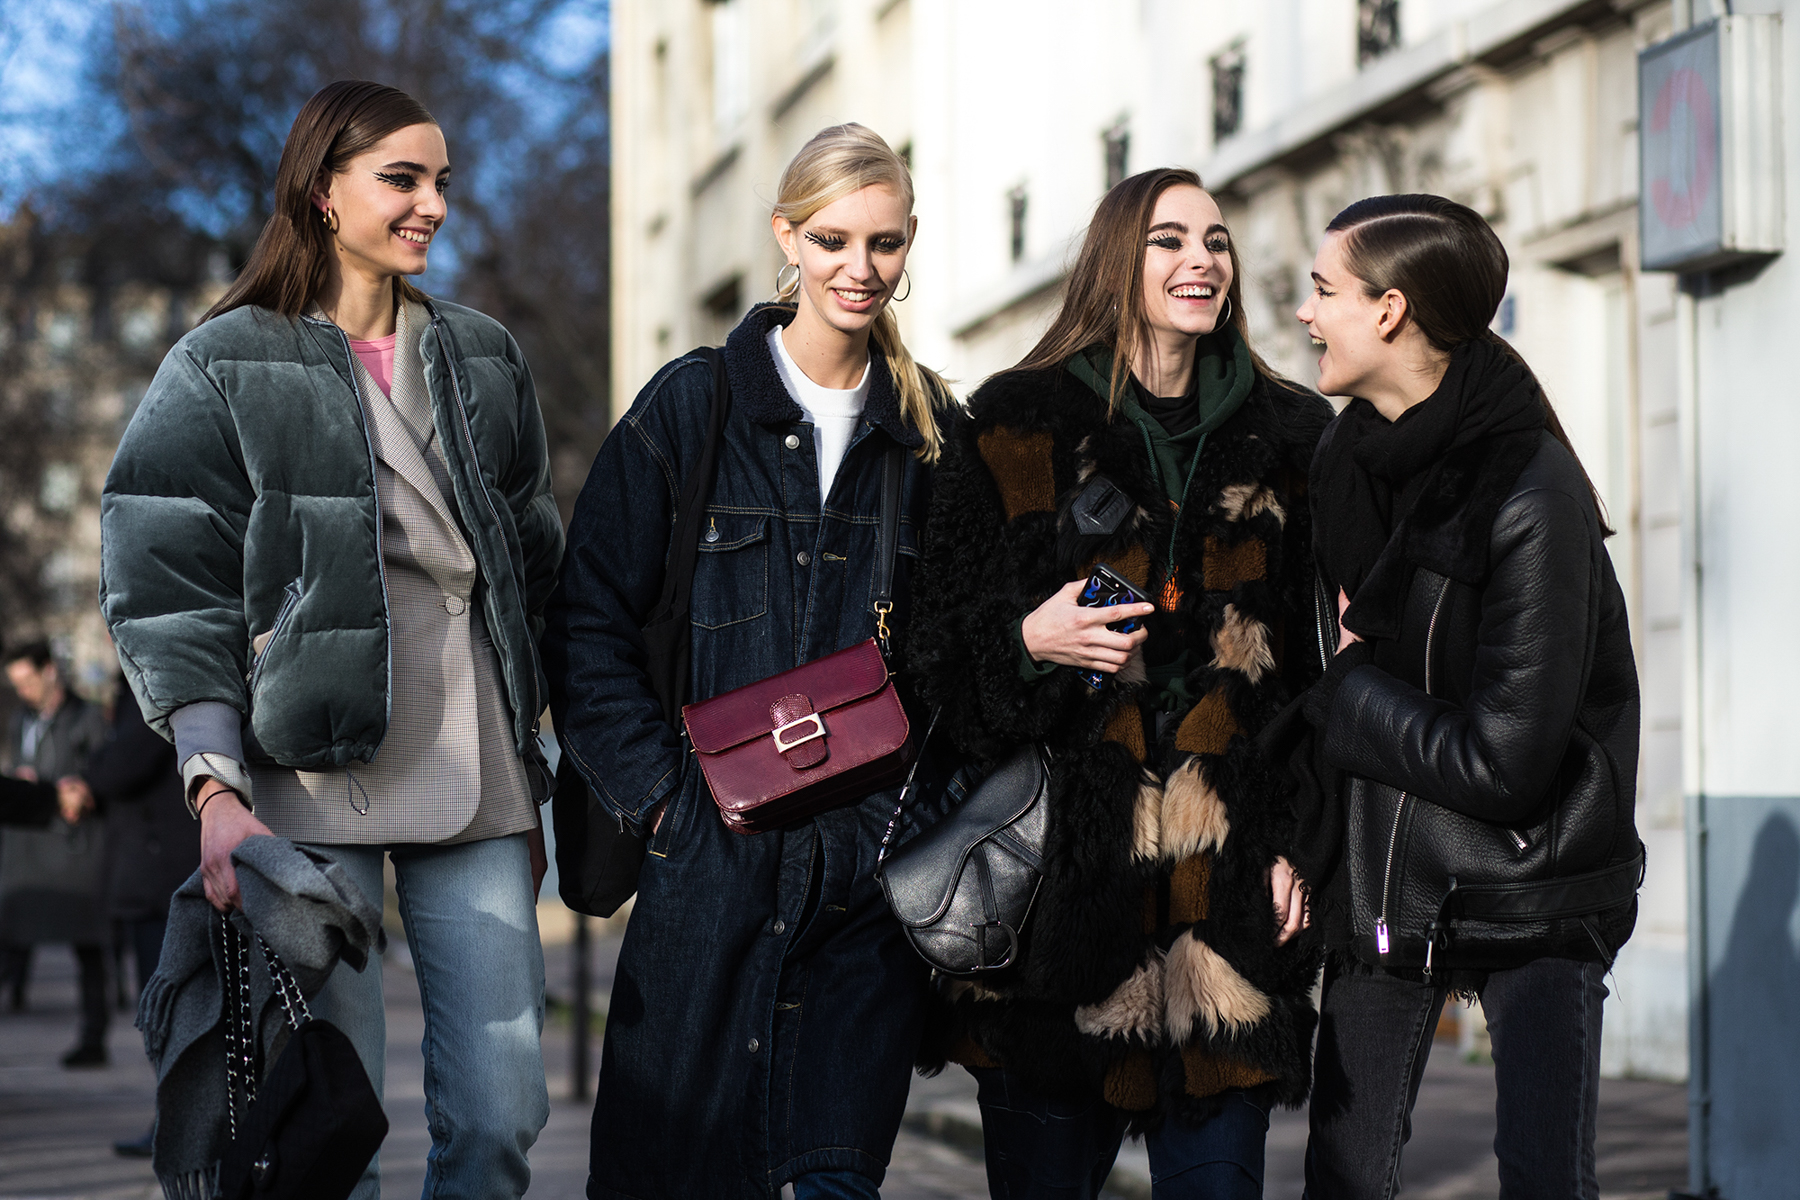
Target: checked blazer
x,y
447,770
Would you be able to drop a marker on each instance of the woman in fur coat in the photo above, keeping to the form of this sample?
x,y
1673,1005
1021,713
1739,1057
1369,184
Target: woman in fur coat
x,y
1162,986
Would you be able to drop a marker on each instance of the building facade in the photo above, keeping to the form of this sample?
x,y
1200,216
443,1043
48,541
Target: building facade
x,y
81,333
1017,116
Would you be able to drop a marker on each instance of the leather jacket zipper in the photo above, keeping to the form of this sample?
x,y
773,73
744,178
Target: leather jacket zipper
x,y
1382,941
1322,621
475,461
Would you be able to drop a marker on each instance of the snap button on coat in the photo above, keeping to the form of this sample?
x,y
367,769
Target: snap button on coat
x,y
754,1046
803,558
778,928
792,441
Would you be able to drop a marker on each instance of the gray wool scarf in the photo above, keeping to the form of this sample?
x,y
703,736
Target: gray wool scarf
x,y
304,905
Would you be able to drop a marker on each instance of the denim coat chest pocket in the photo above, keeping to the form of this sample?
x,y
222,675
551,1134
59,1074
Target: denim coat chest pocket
x,y
731,572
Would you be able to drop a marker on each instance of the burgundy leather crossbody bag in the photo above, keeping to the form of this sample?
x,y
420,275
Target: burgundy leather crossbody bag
x,y
820,735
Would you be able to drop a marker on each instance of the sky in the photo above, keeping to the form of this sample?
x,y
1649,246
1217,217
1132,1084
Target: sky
x,y
42,71
41,68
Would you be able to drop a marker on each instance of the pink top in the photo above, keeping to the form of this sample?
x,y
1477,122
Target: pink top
x,y
378,359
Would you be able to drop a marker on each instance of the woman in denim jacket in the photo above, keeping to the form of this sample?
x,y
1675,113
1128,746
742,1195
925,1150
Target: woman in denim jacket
x,y
766,1008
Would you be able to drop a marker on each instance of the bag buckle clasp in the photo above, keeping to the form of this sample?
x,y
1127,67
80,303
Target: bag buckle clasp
x,y
783,744
882,634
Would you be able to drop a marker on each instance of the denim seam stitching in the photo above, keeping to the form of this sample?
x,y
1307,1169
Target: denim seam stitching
x,y
1407,1098
435,1124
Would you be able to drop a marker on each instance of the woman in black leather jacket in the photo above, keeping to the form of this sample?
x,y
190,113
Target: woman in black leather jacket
x,y
1467,793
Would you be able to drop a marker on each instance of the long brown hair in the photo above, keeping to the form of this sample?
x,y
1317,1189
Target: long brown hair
x,y
1451,266
836,162
1104,301
289,265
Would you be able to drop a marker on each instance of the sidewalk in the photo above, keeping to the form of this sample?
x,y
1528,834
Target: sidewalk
x,y
57,1127
1642,1142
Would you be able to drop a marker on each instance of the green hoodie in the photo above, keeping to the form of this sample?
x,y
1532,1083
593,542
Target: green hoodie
x,y
1223,377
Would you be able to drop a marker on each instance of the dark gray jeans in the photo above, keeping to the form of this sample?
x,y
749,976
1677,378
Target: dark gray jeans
x,y
1375,1035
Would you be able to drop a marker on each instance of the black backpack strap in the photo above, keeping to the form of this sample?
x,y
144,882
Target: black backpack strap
x,y
666,632
893,475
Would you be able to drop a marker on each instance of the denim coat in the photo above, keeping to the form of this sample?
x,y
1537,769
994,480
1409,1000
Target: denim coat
x,y
766,1008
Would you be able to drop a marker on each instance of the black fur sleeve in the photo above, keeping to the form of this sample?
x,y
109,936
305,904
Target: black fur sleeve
x,y
980,575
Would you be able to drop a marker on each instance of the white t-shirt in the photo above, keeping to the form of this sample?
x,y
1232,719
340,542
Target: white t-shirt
x,y
833,412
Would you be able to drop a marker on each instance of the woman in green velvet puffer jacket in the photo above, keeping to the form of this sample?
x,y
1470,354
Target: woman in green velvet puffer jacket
x,y
327,537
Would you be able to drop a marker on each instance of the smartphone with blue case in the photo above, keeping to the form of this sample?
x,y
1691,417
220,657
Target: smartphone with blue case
x,y
1106,587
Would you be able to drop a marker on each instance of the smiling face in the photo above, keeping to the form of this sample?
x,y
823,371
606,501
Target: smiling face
x,y
1187,265
1347,325
389,203
850,254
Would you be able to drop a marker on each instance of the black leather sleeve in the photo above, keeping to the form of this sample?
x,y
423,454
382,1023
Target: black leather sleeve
x,y
1495,757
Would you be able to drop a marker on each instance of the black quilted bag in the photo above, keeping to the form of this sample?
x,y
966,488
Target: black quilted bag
x,y
312,1125
963,888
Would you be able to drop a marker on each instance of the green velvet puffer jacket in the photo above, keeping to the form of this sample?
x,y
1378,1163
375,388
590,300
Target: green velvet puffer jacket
x,y
242,501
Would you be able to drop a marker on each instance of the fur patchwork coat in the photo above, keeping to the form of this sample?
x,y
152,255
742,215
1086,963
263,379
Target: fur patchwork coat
x,y
1150,972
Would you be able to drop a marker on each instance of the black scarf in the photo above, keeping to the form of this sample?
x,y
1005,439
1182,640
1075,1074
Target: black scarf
x,y
1422,491
1388,498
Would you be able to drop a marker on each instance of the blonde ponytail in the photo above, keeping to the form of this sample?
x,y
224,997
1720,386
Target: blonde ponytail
x,y
838,161
922,390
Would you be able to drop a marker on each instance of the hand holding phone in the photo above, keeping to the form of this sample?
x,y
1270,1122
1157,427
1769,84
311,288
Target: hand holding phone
x,y
1106,588
1062,630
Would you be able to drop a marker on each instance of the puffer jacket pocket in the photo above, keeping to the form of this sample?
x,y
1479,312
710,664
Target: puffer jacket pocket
x,y
263,644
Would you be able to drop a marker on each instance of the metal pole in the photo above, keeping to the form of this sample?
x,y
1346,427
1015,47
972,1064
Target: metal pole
x,y
581,1010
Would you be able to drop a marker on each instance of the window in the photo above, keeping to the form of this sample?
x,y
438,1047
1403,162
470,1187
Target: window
x,y
720,308
730,65
1117,143
1017,201
724,301
1377,29
59,488
1228,92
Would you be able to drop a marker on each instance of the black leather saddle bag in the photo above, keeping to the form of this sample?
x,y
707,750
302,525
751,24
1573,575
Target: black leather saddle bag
x,y
963,889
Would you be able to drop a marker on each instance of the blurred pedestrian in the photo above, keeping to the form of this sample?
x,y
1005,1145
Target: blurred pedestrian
x,y
1467,800
34,805
328,534
152,841
766,1008
52,881
152,844
1163,987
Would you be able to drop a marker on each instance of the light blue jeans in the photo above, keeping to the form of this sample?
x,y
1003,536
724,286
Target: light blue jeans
x,y
471,923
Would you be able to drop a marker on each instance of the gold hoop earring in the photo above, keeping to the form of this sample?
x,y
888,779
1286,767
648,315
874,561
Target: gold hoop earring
x,y
908,278
783,289
328,217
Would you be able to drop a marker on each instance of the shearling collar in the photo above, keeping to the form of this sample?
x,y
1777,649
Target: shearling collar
x,y
757,390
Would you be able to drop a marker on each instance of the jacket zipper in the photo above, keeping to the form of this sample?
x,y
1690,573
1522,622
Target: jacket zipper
x,y
1322,623
1382,942
290,599
475,461
387,612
